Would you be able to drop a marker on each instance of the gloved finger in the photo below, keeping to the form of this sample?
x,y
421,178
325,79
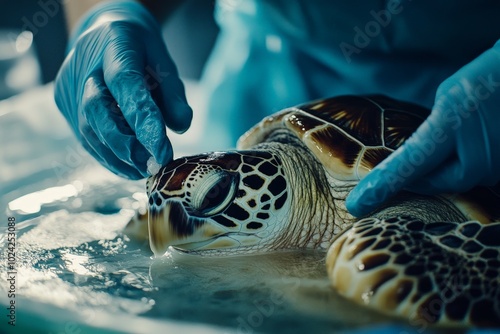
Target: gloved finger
x,y
426,149
168,90
455,176
451,177
108,123
124,76
105,156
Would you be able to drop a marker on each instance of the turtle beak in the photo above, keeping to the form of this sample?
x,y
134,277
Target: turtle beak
x,y
172,226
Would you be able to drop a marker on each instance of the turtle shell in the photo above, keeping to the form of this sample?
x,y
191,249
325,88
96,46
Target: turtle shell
x,y
349,135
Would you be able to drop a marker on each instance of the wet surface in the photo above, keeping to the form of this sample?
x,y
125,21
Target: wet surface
x,y
81,262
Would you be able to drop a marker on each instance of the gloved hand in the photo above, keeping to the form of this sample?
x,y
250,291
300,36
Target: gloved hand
x,y
455,149
118,88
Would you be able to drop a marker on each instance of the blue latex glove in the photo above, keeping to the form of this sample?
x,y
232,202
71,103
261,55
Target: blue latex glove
x,y
455,149
119,89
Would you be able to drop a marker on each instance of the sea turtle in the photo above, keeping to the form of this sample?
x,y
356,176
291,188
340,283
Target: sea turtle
x,y
433,259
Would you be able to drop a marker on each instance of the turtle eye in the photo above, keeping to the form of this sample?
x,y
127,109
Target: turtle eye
x,y
214,193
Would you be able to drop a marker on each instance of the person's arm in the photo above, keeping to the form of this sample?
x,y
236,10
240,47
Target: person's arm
x,y
75,9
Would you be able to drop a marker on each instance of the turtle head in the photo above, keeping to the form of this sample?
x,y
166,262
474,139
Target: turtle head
x,y
224,202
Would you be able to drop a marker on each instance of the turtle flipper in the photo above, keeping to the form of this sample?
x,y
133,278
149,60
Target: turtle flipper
x,y
443,273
